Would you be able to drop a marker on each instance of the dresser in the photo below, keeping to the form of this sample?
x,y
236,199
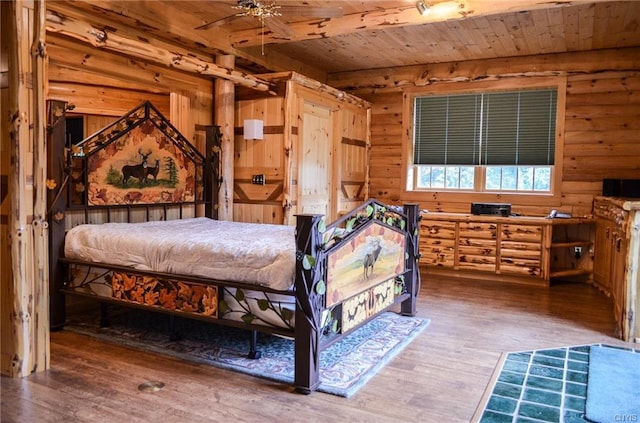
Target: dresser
x,y
519,249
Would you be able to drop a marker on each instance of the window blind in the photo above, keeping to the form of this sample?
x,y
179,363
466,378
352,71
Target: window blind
x,y
500,128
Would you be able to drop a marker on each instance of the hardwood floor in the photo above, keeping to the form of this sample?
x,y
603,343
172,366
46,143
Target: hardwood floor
x,y
439,377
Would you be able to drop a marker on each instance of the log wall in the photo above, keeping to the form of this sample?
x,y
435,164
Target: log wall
x,y
601,125
106,85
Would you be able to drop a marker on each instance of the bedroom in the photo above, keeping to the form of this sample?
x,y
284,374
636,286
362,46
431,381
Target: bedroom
x,y
597,60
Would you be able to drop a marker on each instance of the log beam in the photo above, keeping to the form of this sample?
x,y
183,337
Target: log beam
x,y
182,60
397,79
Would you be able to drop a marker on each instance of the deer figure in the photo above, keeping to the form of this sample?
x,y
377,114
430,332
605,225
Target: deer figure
x,y
371,256
153,171
138,171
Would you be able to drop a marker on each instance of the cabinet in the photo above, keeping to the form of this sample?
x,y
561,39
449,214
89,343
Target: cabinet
x,y
314,155
530,250
617,252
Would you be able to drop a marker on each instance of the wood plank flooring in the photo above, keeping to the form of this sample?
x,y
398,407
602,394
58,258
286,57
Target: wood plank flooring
x,y
440,377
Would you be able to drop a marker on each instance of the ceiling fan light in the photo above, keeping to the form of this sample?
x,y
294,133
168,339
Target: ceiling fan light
x,y
422,7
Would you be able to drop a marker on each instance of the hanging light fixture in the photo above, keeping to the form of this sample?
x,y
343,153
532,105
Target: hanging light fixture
x,y
258,10
422,7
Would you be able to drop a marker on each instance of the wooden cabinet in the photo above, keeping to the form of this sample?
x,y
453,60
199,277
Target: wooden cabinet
x,y
530,250
617,252
314,155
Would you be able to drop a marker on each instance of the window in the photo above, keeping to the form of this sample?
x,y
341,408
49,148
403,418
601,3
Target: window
x,y
485,142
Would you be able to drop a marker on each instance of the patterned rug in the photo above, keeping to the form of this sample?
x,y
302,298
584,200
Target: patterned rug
x,y
344,367
547,385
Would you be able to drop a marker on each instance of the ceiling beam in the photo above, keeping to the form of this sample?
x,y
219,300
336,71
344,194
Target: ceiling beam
x,y
393,18
168,21
146,50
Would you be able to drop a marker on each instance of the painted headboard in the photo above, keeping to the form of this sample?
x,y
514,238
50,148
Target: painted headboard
x,y
138,168
140,158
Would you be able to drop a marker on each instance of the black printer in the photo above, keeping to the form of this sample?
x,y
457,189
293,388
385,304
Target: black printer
x,y
493,209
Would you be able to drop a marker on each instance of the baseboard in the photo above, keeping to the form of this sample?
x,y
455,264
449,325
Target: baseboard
x,y
483,276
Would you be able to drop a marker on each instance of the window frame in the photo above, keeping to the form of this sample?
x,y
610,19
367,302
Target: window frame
x,y
510,84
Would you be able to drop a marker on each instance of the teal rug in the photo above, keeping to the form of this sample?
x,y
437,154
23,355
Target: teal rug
x,y
548,385
613,390
344,367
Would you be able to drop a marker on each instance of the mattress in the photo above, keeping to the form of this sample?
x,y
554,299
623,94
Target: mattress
x,y
261,254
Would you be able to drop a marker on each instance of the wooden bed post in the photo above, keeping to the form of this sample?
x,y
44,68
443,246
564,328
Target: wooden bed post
x,y
56,200
412,278
309,304
212,178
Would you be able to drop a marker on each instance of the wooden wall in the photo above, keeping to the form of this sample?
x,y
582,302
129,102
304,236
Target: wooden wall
x,y
601,126
103,86
252,202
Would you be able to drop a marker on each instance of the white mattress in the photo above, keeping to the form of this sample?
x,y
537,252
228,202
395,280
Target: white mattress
x,y
262,254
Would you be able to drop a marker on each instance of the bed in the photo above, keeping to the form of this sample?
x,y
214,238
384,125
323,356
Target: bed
x,y
133,222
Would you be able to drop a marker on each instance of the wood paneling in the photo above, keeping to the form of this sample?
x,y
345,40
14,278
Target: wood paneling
x,y
98,82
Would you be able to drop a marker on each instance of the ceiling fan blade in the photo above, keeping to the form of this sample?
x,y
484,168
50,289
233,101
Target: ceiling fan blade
x,y
278,27
220,22
312,12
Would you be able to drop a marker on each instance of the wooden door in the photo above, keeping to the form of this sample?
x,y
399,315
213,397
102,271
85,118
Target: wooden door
x,y
315,161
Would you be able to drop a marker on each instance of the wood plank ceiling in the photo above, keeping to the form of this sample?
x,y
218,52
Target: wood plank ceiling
x,y
370,34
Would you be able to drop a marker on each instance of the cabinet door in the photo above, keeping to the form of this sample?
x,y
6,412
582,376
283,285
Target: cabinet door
x,y
602,250
520,249
477,246
437,243
618,272
315,167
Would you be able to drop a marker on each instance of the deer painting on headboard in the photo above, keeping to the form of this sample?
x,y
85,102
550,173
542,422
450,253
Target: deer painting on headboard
x,y
153,171
138,171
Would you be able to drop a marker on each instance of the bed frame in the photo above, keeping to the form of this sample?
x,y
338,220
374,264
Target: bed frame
x,y
332,298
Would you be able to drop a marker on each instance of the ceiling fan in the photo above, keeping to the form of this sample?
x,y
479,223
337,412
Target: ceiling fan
x,y
269,13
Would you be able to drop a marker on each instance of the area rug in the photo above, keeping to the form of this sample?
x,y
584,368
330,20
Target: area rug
x,y
548,385
344,367
613,390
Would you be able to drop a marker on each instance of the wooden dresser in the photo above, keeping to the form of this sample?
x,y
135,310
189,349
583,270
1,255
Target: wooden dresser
x,y
531,250
617,257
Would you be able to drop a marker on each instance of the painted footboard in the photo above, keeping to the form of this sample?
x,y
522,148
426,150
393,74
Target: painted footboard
x,y
348,272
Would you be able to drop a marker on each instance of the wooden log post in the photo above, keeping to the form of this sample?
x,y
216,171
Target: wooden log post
x,y
39,224
26,348
224,118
